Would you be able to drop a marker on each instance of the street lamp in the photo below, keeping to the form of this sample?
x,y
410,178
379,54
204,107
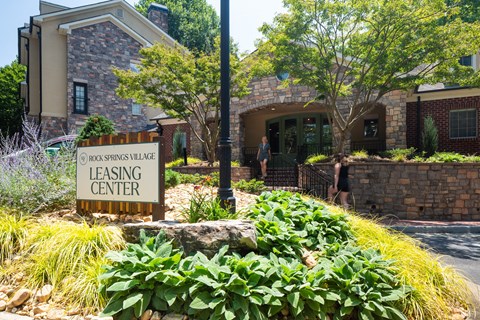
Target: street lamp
x,y
225,191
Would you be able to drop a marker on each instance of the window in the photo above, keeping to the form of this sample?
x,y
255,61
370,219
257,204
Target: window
x,y
466,61
136,109
370,128
463,123
134,66
80,98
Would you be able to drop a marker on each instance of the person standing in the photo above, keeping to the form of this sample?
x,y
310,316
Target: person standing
x,y
341,185
264,155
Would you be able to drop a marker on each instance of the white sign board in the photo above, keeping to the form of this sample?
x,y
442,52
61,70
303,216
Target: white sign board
x,y
123,172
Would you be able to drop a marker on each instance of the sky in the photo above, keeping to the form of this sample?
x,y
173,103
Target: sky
x,y
246,16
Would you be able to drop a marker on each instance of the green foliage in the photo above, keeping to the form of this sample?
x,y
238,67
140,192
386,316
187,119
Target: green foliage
x,y
317,158
179,162
193,23
191,178
206,207
96,126
172,178
251,186
471,159
63,254
399,155
429,136
313,38
360,154
446,157
168,70
178,136
11,106
13,231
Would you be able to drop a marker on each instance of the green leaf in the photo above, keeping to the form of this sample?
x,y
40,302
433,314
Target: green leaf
x,y
123,285
293,299
256,299
229,315
352,301
201,301
140,307
159,304
395,314
113,307
132,299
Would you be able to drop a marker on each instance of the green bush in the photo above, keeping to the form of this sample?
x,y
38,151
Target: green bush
x,y
96,126
153,274
360,154
206,207
399,155
251,186
317,158
13,232
446,157
172,178
179,162
191,178
471,159
177,151
429,136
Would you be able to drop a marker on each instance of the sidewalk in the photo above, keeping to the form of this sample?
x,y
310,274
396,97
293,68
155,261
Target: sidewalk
x,y
419,226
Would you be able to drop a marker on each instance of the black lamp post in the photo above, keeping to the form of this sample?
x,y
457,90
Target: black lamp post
x,y
225,191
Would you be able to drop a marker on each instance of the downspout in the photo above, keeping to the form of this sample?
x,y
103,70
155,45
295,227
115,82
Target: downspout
x,y
419,105
39,34
27,47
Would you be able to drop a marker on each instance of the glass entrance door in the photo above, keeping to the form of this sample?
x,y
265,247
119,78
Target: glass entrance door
x,y
299,135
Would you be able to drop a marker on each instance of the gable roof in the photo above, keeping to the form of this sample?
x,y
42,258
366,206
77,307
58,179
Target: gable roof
x,y
105,4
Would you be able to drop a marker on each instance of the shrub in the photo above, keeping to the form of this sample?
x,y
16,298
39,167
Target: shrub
x,y
399,155
179,162
446,157
317,158
178,138
251,186
471,159
360,154
30,179
172,178
429,136
191,178
13,232
96,126
206,207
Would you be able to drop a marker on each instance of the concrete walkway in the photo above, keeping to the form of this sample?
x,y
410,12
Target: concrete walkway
x,y
418,226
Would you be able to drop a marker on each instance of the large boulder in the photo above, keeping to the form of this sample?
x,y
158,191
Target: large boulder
x,y
206,237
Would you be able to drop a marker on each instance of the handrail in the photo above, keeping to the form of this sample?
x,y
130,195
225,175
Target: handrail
x,y
314,181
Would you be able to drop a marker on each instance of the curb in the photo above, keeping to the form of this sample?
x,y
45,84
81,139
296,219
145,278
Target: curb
x,y
436,229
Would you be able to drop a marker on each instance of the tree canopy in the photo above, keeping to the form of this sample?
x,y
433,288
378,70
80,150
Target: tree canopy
x,y
354,52
11,106
193,23
186,86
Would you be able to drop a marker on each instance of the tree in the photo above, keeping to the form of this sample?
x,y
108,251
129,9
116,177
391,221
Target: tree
x,y
354,52
429,137
96,126
185,86
193,23
11,106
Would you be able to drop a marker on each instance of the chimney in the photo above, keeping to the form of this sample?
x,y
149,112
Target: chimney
x,y
158,14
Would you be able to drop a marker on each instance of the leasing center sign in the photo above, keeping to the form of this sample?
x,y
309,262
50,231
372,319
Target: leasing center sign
x,y
123,172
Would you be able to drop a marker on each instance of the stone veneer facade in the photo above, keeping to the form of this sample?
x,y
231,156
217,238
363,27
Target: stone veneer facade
x,y
270,91
92,53
439,110
430,191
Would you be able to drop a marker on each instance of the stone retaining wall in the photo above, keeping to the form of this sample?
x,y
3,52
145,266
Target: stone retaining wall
x,y
238,173
430,191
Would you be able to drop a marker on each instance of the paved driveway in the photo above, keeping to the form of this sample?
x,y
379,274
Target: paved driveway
x,y
462,251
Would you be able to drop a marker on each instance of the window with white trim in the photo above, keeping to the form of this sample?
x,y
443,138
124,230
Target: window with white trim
x,y
463,123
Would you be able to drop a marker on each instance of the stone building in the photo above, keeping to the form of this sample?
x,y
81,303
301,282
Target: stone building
x,y
70,54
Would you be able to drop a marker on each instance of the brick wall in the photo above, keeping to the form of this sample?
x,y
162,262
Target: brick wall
x,y
429,191
54,127
158,14
168,132
439,110
92,53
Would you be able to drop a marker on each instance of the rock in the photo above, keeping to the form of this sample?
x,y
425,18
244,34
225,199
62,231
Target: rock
x,y
206,237
4,289
156,316
44,294
41,308
146,315
3,296
3,305
19,298
56,314
173,316
19,277
73,312
75,217
309,260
